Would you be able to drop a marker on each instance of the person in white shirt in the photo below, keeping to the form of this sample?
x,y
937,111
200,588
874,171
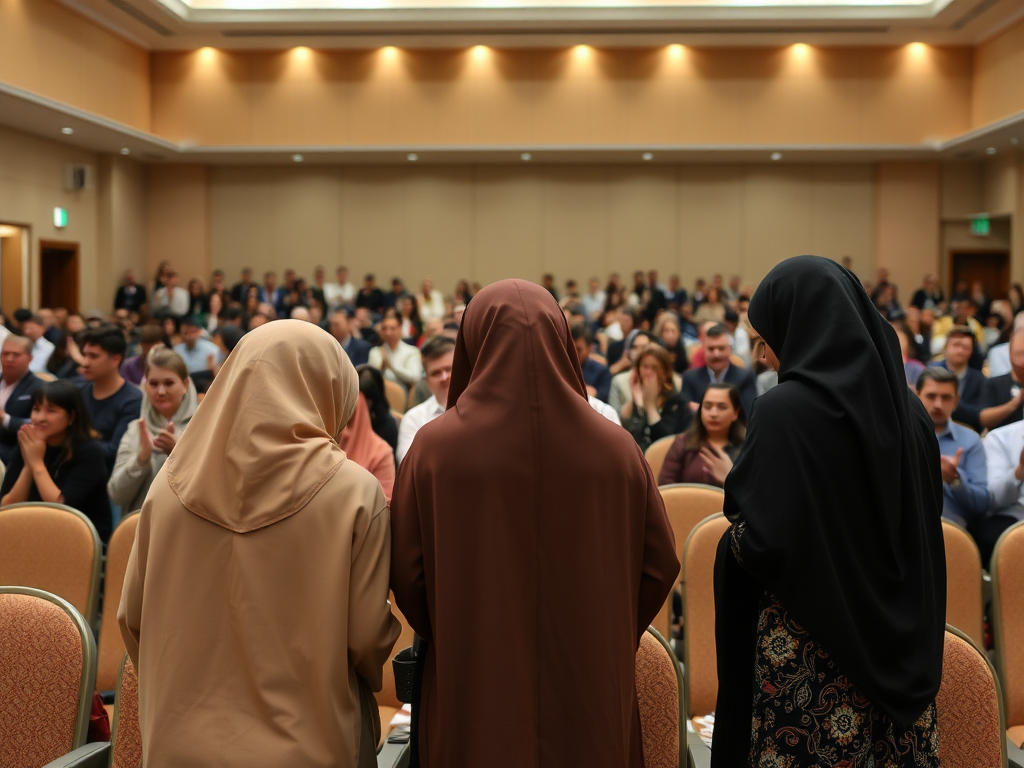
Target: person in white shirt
x,y
438,353
42,348
171,298
394,358
341,293
594,300
604,409
1004,454
198,353
430,302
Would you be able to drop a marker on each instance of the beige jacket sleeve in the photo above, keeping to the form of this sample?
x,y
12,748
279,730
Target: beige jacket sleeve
x,y
372,629
129,612
128,477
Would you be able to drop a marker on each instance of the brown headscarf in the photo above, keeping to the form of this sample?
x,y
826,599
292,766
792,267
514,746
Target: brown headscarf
x,y
531,550
367,449
274,439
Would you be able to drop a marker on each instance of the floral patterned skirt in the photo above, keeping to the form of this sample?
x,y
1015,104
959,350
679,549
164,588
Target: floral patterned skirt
x,y
807,713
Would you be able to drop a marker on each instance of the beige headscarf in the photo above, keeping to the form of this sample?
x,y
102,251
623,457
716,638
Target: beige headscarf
x,y
264,440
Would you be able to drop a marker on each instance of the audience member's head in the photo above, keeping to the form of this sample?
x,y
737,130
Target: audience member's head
x,y
215,304
257,319
270,281
438,354
171,326
369,282
959,347
230,315
103,351
20,316
719,417
15,357
150,337
341,273
629,320
1017,354
338,325
267,309
60,416
371,386
654,360
300,313
33,328
170,280
667,329
191,331
129,277
74,323
717,348
227,339
391,330
166,381
583,339
939,393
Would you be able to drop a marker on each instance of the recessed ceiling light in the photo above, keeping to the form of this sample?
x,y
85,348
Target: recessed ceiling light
x,y
526,156
67,131
298,158
647,155
412,157
125,151
776,155
990,151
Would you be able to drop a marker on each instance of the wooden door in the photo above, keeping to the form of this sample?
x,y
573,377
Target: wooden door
x,y
58,275
990,268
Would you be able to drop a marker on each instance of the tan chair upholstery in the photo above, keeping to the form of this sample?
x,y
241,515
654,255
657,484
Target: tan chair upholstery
x,y
963,582
659,692
125,733
111,650
53,548
737,361
656,453
686,505
47,665
700,670
969,708
395,394
387,700
45,376
1007,569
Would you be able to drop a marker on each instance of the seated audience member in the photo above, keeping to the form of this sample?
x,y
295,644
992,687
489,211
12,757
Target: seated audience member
x,y
270,293
1004,454
134,368
595,375
361,326
59,460
604,409
257,319
670,333
999,356
1003,394
370,297
171,299
593,300
618,334
172,331
170,400
429,301
394,358
16,390
371,386
912,367
438,354
697,358
367,449
711,309
358,351
412,327
964,473
300,313
259,474
738,335
111,401
42,347
64,361
962,310
959,346
619,394
194,349
929,295
717,348
130,295
226,340
655,409
704,453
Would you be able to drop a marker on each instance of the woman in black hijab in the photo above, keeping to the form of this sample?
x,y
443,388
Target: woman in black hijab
x,y
830,586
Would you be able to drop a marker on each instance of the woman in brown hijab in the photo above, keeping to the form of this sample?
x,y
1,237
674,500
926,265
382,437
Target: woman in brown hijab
x,y
255,600
531,550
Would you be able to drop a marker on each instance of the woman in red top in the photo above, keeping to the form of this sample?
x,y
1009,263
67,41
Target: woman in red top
x,y
704,453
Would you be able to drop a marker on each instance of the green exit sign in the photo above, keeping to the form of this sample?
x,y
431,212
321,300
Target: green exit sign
x,y
60,218
981,226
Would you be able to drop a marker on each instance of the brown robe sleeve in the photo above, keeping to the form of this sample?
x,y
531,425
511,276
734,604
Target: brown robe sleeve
x,y
372,629
408,580
672,469
661,566
129,612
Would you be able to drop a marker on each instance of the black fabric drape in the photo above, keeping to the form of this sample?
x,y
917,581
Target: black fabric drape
x,y
838,486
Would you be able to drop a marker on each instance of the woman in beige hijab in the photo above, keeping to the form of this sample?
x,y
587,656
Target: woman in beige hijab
x,y
255,600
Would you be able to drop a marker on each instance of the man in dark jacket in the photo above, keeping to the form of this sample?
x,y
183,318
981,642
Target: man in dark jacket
x,y
16,390
718,368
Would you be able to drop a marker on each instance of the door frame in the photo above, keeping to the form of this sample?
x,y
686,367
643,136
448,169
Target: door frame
x,y
62,245
950,252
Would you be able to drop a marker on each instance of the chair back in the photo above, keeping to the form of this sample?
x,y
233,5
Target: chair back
x,y
699,654
736,361
45,376
125,732
656,453
54,548
1007,569
47,665
395,394
686,505
971,726
963,582
111,650
659,693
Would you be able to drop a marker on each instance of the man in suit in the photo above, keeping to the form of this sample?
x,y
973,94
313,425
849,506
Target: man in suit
x,y
358,351
717,347
959,348
16,388
1004,394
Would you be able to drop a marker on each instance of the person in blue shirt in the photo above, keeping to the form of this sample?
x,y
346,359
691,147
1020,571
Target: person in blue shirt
x,y
964,472
596,375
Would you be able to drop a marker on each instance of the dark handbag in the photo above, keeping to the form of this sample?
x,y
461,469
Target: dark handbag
x,y
99,723
404,665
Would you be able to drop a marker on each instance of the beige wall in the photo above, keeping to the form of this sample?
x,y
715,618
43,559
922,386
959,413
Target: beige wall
x,y
998,89
907,228
487,223
49,50
537,97
177,220
121,212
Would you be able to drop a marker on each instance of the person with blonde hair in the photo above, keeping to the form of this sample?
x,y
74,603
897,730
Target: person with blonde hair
x,y
655,409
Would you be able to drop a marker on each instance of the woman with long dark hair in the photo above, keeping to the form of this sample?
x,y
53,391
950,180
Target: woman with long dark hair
x,y
705,452
371,386
60,460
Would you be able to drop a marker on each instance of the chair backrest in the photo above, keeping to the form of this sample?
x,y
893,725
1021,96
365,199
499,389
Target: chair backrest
x,y
659,693
111,650
737,361
971,726
45,376
963,582
656,453
53,548
397,417
387,697
47,665
1007,569
395,394
686,504
125,732
700,657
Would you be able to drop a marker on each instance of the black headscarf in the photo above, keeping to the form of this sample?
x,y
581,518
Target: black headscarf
x,y
839,488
